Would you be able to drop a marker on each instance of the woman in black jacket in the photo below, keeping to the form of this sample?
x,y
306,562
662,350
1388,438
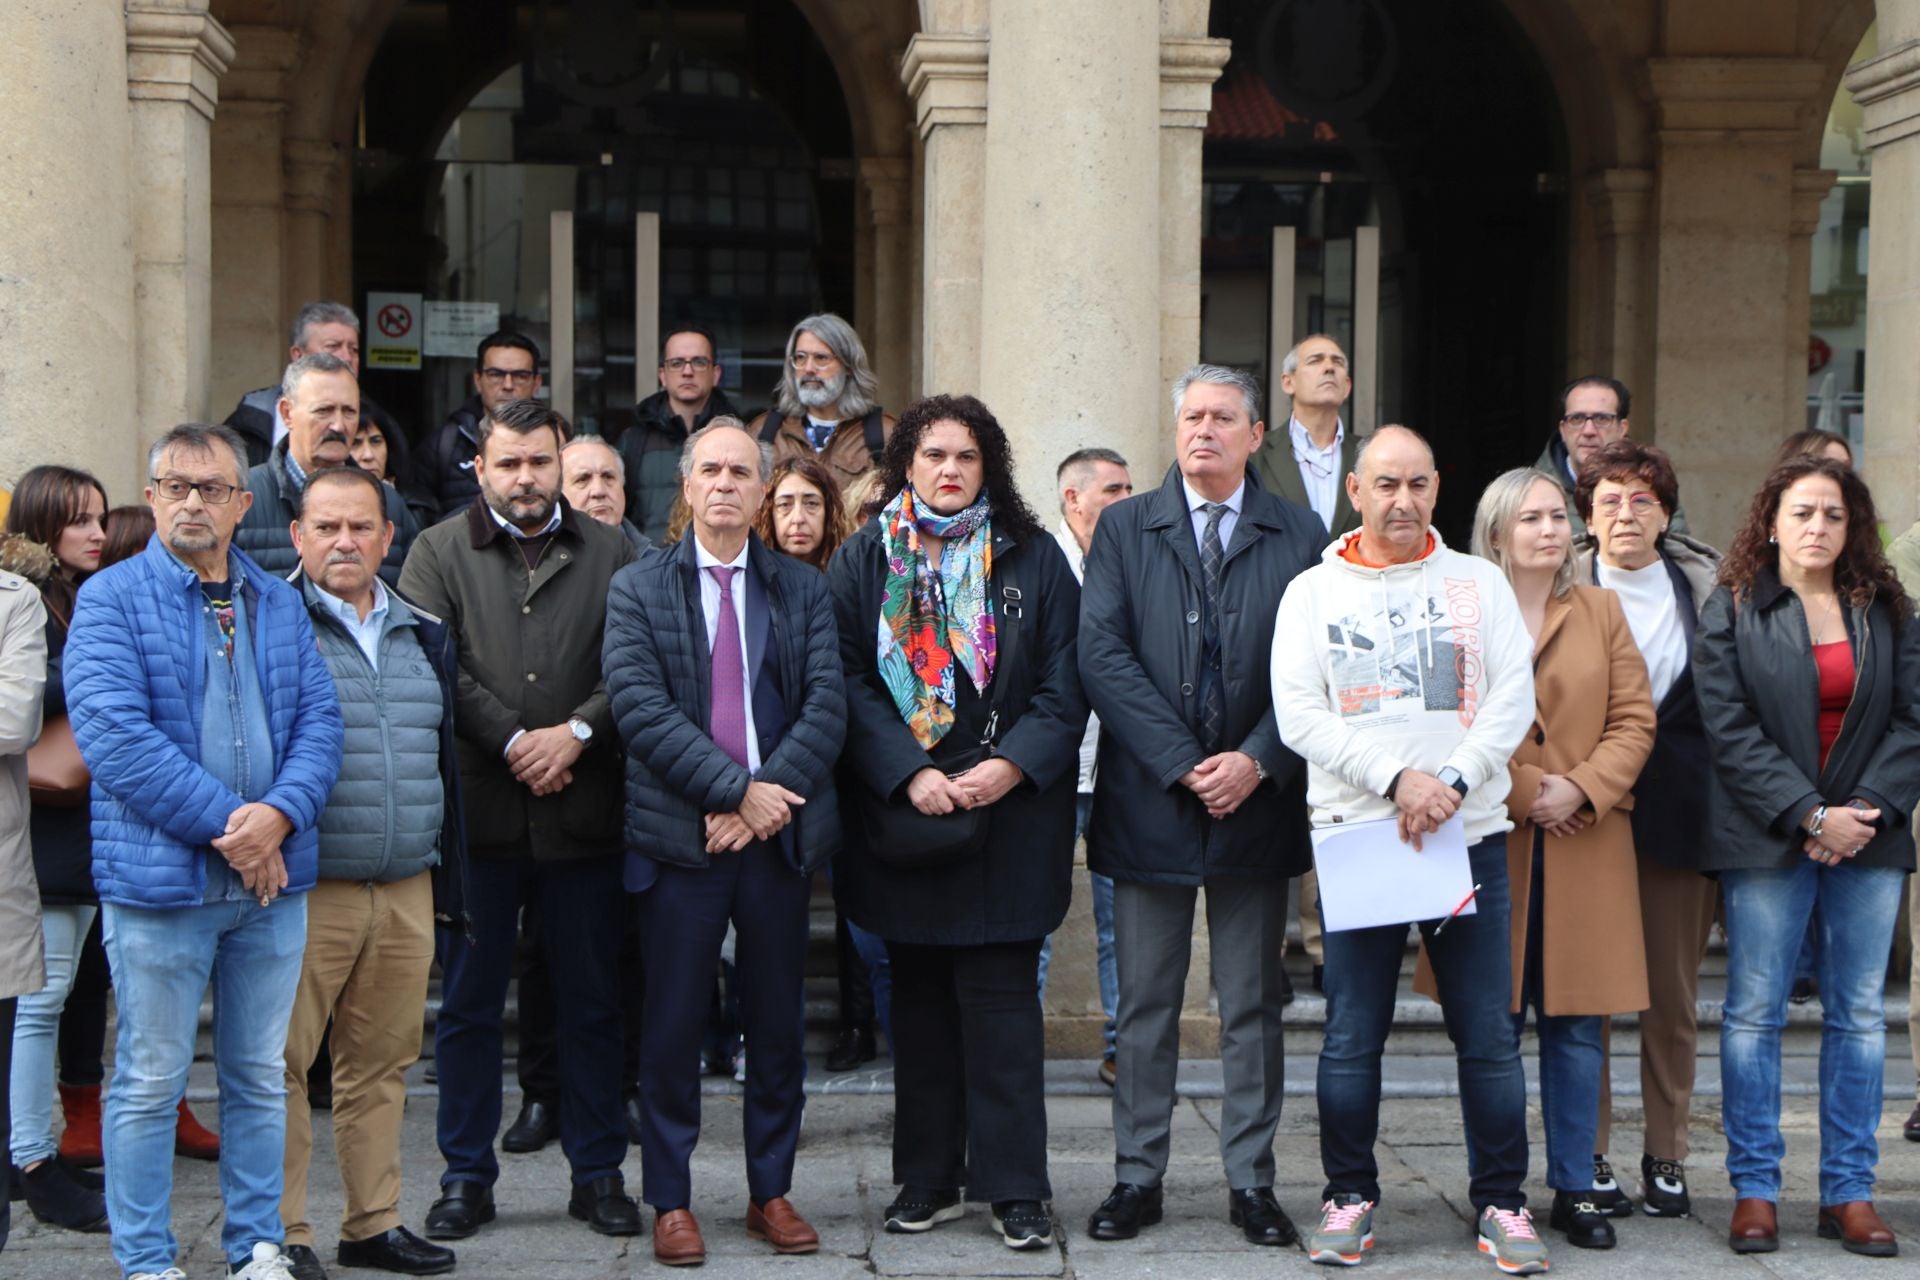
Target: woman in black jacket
x,y
1807,663
957,616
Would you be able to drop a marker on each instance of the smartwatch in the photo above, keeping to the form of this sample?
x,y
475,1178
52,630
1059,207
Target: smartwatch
x,y
1451,776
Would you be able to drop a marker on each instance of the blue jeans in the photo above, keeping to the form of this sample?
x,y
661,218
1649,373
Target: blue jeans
x,y
1109,972
1473,967
1853,909
1572,1056
872,950
162,961
36,1032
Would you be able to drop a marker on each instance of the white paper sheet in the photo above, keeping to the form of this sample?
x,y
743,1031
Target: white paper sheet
x,y
1369,876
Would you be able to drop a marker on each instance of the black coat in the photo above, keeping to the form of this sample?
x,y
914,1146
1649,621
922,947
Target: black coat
x,y
1017,888
443,475
650,454
263,530
62,837
1141,654
1759,696
659,676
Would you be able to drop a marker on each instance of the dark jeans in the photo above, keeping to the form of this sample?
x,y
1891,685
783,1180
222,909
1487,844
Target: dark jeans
x,y
83,1022
1572,1056
7,1007
584,958
969,1070
1473,968
537,1064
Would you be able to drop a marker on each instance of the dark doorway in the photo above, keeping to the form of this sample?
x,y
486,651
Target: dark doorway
x,y
1438,124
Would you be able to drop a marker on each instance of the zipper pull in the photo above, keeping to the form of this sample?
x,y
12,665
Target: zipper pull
x,y
993,723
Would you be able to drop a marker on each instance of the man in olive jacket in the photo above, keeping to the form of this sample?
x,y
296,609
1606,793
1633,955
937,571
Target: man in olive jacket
x,y
522,579
1193,787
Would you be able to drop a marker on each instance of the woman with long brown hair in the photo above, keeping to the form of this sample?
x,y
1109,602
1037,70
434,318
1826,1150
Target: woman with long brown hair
x,y
803,514
1807,663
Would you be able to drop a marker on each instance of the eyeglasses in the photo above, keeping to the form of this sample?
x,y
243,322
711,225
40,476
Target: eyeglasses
x,y
518,377
680,364
1604,421
174,489
1641,505
815,359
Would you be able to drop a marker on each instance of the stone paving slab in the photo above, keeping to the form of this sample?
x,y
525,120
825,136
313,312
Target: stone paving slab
x,y
843,1185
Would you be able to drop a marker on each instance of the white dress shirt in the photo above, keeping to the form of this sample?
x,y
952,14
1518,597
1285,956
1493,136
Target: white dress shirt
x,y
710,609
1198,506
1323,491
365,634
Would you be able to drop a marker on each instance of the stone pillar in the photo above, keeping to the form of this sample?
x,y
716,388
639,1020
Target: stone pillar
x,y
313,170
1620,201
1188,67
176,53
1810,187
1727,130
67,389
249,190
1070,345
1887,87
946,76
887,188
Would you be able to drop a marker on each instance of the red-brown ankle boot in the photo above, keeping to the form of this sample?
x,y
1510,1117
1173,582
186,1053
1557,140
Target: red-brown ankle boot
x,y
80,1140
192,1139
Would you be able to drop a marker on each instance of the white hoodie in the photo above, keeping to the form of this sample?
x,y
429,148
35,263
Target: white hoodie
x,y
1419,665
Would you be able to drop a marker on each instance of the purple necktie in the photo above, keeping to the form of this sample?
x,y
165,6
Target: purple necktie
x,y
728,720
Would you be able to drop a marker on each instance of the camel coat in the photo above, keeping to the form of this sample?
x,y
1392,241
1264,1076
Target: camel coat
x,y
1597,735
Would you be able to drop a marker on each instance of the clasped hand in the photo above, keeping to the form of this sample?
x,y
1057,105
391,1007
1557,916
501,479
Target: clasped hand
x,y
251,846
1222,782
1557,809
1847,830
763,811
543,758
1425,803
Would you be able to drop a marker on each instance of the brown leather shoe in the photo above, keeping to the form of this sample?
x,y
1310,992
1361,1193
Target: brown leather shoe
x,y
780,1225
1755,1228
1858,1228
1911,1128
676,1239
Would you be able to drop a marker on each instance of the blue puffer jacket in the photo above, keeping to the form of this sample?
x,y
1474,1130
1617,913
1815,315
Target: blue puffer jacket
x,y
136,679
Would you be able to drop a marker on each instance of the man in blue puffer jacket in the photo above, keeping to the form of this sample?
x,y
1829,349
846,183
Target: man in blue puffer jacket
x,y
210,724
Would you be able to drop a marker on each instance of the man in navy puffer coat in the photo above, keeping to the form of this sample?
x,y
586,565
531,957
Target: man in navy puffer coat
x,y
209,722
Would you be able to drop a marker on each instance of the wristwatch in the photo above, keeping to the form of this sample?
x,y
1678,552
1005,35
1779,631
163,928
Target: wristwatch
x,y
581,730
1451,776
1259,770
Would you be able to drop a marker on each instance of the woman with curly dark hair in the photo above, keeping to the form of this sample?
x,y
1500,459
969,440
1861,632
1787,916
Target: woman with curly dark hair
x,y
958,618
1807,664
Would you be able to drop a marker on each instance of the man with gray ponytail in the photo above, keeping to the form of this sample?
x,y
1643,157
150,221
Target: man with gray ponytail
x,y
827,401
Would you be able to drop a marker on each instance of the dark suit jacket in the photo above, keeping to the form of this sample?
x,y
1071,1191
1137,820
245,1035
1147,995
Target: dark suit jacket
x,y
1279,475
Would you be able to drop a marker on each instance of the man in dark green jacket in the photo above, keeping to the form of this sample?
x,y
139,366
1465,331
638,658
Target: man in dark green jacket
x,y
522,579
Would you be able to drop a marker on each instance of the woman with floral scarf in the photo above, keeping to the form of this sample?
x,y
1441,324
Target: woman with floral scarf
x,y
958,615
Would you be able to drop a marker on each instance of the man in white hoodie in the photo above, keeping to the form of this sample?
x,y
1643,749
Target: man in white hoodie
x,y
1403,676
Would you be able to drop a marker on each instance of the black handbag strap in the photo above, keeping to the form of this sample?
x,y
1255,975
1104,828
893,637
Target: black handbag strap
x,y
1007,643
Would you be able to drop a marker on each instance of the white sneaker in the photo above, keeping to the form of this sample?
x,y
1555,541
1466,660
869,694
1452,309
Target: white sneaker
x,y
268,1264
171,1273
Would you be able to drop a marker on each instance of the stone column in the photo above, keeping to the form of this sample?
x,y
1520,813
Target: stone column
x,y
1620,201
1810,187
1188,67
1887,87
1727,130
176,53
1070,346
887,186
66,293
946,76
314,171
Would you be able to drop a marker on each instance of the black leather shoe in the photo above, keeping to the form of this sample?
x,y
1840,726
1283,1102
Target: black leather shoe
x,y
1260,1217
1585,1222
303,1263
1286,988
532,1129
1319,976
631,1106
1911,1129
460,1211
604,1205
397,1250
1127,1208
854,1047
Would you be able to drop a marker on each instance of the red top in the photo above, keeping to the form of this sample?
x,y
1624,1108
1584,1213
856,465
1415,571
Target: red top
x,y
1835,664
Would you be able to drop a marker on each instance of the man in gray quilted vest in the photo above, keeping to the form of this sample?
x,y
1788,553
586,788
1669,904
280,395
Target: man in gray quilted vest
x,y
391,843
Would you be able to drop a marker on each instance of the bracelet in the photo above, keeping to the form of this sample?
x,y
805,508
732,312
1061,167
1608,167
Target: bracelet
x,y
1819,821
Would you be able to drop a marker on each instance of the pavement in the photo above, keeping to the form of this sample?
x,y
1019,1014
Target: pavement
x,y
842,1185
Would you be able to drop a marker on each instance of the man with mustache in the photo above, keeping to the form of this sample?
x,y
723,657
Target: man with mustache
x,y
522,579
392,856
320,405
826,402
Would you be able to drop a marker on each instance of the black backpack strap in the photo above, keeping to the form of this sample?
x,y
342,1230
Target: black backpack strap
x,y
770,428
876,435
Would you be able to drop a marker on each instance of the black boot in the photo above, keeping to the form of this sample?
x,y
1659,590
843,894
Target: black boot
x,y
56,1198
854,1047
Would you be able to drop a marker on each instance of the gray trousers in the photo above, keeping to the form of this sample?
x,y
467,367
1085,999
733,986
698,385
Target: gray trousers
x,y
1152,940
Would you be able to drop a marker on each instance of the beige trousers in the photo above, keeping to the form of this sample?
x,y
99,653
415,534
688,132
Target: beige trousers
x,y
1310,915
369,947
1676,915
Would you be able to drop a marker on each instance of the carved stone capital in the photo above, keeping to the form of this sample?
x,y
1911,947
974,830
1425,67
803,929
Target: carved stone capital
x,y
1887,87
946,76
1188,67
264,57
1622,200
1734,100
176,55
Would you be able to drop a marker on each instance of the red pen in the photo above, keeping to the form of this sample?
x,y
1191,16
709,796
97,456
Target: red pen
x,y
1457,910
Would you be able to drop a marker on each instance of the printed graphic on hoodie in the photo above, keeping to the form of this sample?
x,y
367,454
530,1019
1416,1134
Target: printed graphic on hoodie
x,y
1416,652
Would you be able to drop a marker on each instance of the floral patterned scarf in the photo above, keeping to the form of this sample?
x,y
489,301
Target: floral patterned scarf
x,y
932,622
